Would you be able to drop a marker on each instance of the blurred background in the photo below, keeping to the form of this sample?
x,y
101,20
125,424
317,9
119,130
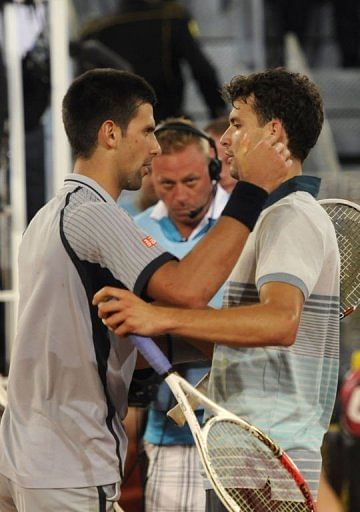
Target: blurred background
x,y
187,50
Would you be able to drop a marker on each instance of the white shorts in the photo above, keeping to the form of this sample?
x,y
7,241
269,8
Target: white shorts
x,y
14,498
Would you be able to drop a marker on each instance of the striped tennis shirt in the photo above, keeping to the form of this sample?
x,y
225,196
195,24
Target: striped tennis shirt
x,y
69,375
288,392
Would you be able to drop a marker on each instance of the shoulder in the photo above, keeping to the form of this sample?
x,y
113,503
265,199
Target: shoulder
x,y
299,215
95,213
298,205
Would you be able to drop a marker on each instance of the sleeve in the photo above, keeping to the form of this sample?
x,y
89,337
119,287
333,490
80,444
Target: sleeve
x,y
106,235
290,248
187,47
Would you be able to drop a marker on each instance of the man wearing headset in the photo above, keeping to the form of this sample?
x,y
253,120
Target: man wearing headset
x,y
185,178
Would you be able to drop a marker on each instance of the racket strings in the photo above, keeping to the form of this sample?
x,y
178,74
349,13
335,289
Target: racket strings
x,y
249,472
346,220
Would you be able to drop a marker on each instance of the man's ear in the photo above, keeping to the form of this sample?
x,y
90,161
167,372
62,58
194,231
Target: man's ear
x,y
276,128
109,134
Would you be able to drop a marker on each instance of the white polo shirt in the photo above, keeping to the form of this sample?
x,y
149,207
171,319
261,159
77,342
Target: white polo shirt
x,y
69,376
288,392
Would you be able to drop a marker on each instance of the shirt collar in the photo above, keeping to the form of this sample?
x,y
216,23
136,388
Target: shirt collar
x,y
81,180
310,184
217,205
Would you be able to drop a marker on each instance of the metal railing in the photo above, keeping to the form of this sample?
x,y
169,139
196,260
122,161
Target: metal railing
x,y
13,216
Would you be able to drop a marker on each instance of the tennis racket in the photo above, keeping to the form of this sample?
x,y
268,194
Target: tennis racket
x,y
246,469
176,414
346,219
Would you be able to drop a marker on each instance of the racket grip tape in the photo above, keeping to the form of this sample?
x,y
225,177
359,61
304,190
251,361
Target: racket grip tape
x,y
151,352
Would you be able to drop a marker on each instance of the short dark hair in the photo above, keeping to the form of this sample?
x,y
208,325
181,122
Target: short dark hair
x,y
98,95
290,97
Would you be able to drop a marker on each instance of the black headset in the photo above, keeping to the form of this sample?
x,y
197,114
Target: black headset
x,y
214,163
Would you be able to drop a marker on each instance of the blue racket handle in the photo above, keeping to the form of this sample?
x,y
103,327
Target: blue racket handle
x,y
152,353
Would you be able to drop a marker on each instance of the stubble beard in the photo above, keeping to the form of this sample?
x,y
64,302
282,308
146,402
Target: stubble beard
x,y
234,172
134,181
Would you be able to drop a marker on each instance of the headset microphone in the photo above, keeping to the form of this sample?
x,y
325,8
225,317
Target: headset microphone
x,y
194,213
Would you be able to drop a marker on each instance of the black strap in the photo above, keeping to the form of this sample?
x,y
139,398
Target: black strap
x,y
102,499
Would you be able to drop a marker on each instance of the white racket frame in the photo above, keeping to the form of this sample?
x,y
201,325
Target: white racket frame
x,y
351,204
183,391
339,201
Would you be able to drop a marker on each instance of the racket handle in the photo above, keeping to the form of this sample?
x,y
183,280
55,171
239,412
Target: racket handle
x,y
176,413
153,355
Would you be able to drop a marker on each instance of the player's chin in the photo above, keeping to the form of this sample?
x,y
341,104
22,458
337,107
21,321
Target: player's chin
x,y
234,172
132,187
135,182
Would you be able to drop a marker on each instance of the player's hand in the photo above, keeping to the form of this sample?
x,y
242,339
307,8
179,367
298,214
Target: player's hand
x,y
266,164
124,313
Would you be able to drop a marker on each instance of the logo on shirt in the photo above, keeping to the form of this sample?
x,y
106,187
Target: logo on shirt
x,y
148,241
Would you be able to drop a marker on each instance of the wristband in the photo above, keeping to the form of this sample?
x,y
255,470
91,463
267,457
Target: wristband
x,y
246,203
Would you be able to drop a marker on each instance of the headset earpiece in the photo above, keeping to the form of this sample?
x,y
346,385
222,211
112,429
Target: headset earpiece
x,y
214,162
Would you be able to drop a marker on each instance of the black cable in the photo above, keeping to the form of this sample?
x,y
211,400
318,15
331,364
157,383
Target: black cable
x,y
167,419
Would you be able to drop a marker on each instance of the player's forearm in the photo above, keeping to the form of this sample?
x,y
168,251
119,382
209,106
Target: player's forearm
x,y
247,326
194,280
274,321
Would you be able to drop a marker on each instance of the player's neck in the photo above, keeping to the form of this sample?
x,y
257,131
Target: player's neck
x,y
294,170
96,169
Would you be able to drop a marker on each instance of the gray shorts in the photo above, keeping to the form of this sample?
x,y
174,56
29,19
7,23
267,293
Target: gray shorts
x,y
14,498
